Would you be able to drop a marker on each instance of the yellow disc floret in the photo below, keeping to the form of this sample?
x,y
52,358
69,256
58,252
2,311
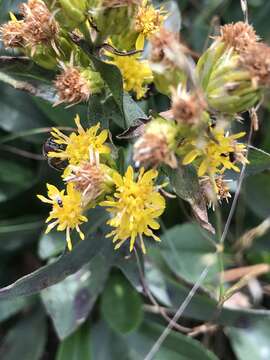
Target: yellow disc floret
x,y
134,207
67,211
217,153
136,72
79,144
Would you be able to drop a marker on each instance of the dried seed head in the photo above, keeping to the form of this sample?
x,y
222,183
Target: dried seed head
x,y
71,86
238,35
153,150
88,178
40,26
256,59
215,190
11,34
162,43
187,107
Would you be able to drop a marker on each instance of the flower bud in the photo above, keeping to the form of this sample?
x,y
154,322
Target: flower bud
x,y
75,85
224,74
114,18
165,48
157,144
188,108
74,10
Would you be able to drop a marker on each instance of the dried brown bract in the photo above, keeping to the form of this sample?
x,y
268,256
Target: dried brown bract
x,y
12,34
238,35
153,150
256,59
88,178
187,107
71,86
162,43
40,26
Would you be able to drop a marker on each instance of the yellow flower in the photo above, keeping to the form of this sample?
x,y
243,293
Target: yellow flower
x,y
148,21
218,153
134,207
136,72
76,146
66,211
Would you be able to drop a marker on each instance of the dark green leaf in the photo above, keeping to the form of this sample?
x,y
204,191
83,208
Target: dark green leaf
x,y
252,341
26,340
188,250
77,346
175,347
69,302
121,305
69,263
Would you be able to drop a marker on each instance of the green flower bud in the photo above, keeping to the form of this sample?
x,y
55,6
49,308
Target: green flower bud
x,y
116,18
157,145
230,82
165,60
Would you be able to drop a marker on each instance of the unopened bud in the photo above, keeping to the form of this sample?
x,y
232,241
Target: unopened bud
x,y
156,146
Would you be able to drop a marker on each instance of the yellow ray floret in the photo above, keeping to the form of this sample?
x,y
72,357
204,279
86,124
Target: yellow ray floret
x,y
134,207
136,72
217,153
67,211
77,145
148,21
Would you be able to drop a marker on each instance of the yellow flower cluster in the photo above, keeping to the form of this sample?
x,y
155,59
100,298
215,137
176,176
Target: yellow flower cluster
x,y
135,207
90,175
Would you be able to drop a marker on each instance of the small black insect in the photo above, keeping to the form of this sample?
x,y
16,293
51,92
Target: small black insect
x,y
49,146
59,202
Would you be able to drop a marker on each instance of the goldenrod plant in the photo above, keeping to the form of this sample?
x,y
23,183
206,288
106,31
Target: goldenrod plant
x,y
135,179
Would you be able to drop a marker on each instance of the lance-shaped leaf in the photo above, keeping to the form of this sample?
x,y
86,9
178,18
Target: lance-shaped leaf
x,y
185,183
67,264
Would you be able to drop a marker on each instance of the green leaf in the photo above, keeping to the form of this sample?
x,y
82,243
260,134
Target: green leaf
x,y
121,305
17,232
69,263
187,251
69,302
76,347
15,177
175,347
9,308
252,341
51,244
185,183
257,194
26,340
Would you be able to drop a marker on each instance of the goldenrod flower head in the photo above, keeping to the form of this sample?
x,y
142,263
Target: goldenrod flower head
x,y
135,206
256,59
79,144
40,26
90,178
67,211
238,35
148,21
12,33
215,189
74,85
136,72
217,153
